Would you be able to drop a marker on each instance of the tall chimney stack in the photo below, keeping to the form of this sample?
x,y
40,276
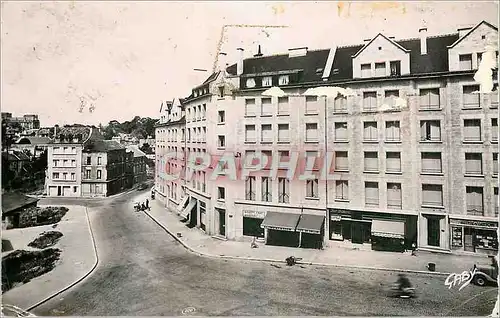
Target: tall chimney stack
x,y
239,65
423,40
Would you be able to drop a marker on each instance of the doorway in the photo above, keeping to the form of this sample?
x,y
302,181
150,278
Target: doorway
x,y
59,191
222,222
433,231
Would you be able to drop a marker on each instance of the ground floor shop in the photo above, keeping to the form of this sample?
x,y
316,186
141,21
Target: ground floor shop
x,y
193,210
474,236
383,231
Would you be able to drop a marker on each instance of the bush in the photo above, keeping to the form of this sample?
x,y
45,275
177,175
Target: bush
x,y
46,239
41,216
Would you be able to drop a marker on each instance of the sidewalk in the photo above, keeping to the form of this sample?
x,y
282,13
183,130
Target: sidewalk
x,y
335,255
78,258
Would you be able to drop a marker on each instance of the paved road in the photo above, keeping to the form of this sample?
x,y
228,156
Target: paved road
x,y
143,271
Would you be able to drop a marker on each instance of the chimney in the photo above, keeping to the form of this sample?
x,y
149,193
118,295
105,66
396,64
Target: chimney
x,y
239,64
366,41
259,53
392,37
423,40
463,31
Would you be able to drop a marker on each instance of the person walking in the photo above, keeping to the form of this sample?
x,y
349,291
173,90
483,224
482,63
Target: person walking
x,y
147,205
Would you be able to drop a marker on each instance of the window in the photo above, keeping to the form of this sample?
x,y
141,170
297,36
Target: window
x,y
269,155
495,163
99,174
221,91
370,131
250,83
283,107
266,189
371,162
267,133
494,97
472,130
75,189
250,188
73,176
471,96
250,107
87,174
429,99
392,131
89,162
430,130
250,134
65,163
221,117
366,70
283,190
340,104
474,200
371,193
204,111
311,132
431,162
395,68
341,161
494,129
221,141
55,162
380,69
390,97
99,161
55,175
495,199
267,107
203,135
311,104
341,190
283,133
474,163
312,188
340,131
370,101
221,193
465,62
394,198
432,195
479,58
73,163
393,162
284,80
267,81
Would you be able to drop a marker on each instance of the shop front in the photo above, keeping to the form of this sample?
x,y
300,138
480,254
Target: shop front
x,y
384,231
311,229
252,221
279,229
189,213
474,236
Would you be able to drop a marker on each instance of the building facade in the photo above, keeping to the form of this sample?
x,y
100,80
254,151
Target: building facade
x,y
411,132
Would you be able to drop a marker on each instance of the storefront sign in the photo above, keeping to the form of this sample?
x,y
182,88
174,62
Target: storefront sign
x,y
254,214
335,217
473,223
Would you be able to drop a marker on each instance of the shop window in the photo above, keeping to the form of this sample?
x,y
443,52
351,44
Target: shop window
x,y
456,237
471,96
472,130
474,199
251,227
474,163
371,194
342,190
341,132
432,195
312,188
250,188
370,131
429,99
431,162
341,161
283,190
394,197
393,162
430,130
266,189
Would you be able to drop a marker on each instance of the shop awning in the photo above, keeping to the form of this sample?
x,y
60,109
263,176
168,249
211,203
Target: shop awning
x,y
185,213
280,221
309,223
183,203
391,229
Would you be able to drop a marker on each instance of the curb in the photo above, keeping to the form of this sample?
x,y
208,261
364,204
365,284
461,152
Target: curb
x,y
78,280
267,260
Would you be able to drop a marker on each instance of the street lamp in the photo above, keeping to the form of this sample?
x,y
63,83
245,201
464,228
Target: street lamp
x,y
326,92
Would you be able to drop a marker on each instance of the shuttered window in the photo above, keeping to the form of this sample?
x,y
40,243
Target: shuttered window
x,y
341,161
370,131
267,107
393,162
474,199
394,197
471,96
431,162
250,134
250,107
494,129
472,129
473,163
340,104
380,70
465,62
370,101
390,97
371,161
495,163
366,70
311,132
432,195
341,190
430,130
283,106
311,104
267,133
283,133
371,194
340,131
429,98
392,131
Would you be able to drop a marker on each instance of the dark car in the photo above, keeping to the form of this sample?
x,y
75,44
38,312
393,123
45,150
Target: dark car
x,y
486,274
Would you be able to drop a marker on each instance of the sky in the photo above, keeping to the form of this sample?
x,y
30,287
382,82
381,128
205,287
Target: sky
x,y
122,59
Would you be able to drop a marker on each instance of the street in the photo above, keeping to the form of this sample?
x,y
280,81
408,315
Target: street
x,y
143,271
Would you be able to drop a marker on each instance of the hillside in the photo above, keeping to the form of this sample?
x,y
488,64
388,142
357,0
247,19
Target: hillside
x,y
138,127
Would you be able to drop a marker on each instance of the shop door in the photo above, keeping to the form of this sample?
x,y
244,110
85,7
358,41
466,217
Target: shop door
x,y
357,233
222,222
346,230
468,240
433,231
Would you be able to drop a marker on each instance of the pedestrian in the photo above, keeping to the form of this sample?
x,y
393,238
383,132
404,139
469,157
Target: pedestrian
x,y
143,207
147,204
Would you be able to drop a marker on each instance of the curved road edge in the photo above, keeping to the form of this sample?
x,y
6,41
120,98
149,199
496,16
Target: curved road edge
x,y
191,249
81,278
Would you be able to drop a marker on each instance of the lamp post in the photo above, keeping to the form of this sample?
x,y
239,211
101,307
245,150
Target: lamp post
x,y
326,92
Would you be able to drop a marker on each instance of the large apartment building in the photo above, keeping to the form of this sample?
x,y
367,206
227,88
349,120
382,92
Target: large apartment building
x,y
411,132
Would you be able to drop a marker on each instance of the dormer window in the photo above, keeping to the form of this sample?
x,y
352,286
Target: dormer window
x,y
250,83
267,81
284,80
366,70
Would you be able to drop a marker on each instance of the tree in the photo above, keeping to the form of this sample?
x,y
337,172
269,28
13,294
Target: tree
x,y
146,148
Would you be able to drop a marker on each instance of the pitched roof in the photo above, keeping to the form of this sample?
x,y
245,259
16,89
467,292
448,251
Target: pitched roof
x,y
137,152
309,63
18,155
74,130
380,34
33,140
102,146
472,30
211,78
13,201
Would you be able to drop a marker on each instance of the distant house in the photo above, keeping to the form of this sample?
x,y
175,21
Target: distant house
x,y
140,172
35,145
13,204
17,162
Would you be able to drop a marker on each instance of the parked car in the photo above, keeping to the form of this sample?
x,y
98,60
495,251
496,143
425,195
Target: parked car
x,y
486,274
